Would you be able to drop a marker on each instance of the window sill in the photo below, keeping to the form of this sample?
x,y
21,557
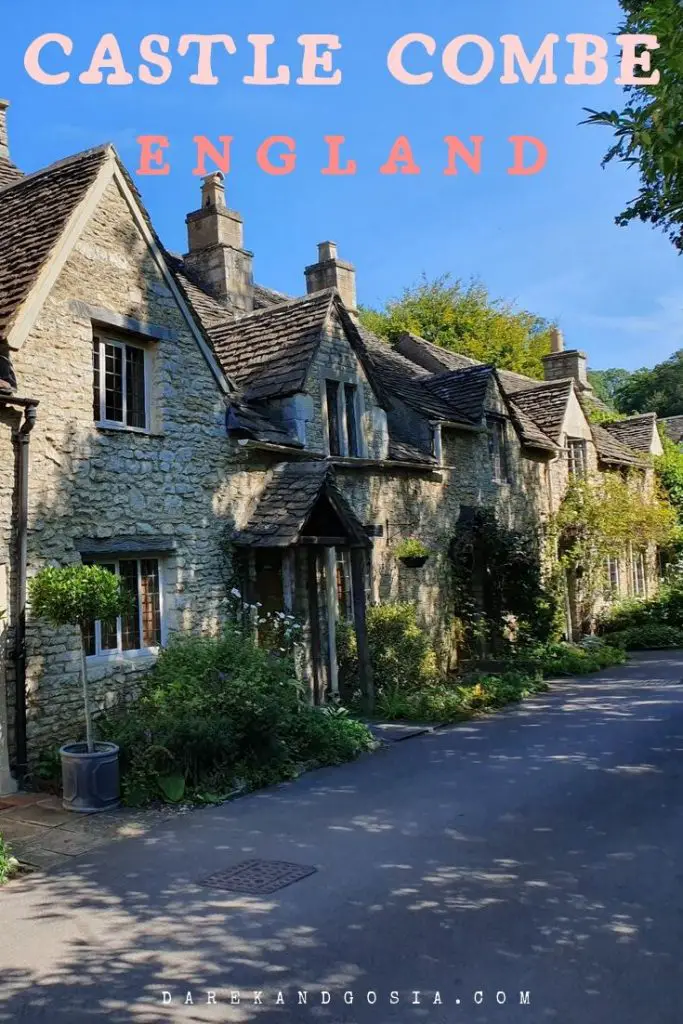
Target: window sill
x,y
123,657
113,428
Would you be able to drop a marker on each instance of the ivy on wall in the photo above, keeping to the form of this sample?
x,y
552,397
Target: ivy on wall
x,y
500,594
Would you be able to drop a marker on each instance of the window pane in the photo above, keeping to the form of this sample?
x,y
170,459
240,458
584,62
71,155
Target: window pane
x,y
89,638
351,422
332,388
130,623
96,379
151,609
113,383
135,386
109,640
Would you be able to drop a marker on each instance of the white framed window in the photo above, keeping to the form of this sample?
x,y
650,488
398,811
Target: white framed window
x,y
343,420
141,629
344,584
612,575
120,384
638,574
577,461
498,449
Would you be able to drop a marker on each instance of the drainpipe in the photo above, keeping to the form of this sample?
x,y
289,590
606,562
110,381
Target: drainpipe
x,y
21,438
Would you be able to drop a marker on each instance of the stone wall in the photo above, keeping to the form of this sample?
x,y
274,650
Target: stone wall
x,y
176,481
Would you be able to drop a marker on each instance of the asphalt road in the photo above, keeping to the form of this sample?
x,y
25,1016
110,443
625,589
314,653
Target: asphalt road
x,y
534,852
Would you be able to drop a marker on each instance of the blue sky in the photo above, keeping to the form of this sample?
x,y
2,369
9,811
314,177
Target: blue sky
x,y
547,242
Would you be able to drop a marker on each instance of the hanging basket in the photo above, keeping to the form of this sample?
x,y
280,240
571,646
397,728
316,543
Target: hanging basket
x,y
414,561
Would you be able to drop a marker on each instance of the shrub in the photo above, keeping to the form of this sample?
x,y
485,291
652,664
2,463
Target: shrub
x,y
9,865
664,610
451,702
401,652
650,636
562,659
217,713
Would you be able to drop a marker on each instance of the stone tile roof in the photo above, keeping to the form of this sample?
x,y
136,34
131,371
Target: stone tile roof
x,y
264,297
288,500
211,310
465,389
546,405
33,214
9,172
257,423
636,431
529,432
401,450
611,451
673,426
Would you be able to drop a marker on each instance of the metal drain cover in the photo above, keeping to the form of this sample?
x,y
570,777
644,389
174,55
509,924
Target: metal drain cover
x,y
258,877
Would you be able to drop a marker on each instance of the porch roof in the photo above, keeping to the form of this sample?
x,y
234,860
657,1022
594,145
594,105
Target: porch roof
x,y
287,503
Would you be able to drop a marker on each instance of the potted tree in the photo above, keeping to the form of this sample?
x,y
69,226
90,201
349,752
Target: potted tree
x,y
412,552
77,596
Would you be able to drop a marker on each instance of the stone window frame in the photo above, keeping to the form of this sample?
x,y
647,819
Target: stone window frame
x,y
119,655
613,576
499,448
103,337
638,572
343,379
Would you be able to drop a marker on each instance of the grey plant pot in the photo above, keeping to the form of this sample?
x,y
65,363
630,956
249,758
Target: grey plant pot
x,y
90,782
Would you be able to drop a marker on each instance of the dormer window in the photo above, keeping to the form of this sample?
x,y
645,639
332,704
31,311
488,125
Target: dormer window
x,y
120,384
577,461
343,435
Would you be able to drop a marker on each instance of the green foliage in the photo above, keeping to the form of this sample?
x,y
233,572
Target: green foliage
x,y
563,659
653,636
464,318
411,547
606,383
500,595
647,131
401,653
598,518
9,865
451,702
657,390
669,468
217,714
76,595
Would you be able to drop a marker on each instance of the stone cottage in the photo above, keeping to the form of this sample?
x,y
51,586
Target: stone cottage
x,y
194,431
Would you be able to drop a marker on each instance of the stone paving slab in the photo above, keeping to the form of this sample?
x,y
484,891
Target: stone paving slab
x,y
41,834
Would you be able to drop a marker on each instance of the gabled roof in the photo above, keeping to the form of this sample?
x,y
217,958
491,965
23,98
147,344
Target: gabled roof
x,y
246,420
529,432
611,451
34,212
269,352
546,405
464,389
287,502
636,431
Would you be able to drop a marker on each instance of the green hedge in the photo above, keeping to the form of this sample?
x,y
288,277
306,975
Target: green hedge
x,y
563,659
456,702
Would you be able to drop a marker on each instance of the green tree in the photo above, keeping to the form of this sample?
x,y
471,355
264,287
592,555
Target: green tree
x,y
648,130
77,595
670,471
464,318
606,383
657,390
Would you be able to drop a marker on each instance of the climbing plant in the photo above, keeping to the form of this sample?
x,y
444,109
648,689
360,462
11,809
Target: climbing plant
x,y
599,518
501,595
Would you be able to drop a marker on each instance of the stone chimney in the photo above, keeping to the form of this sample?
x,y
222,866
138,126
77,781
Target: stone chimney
x,y
331,272
9,172
4,140
561,363
215,237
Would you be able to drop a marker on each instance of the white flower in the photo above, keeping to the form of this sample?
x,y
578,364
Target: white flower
x,y
235,592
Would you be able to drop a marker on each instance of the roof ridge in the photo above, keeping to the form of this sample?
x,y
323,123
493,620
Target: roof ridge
x,y
65,162
280,306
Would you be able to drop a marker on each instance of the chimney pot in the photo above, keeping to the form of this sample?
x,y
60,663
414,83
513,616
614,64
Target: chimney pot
x,y
213,190
327,251
556,340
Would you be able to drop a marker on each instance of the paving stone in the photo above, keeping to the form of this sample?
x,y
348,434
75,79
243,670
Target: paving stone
x,y
34,814
12,829
18,800
57,840
44,858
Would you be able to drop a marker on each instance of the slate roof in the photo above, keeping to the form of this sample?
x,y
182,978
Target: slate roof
x,y
33,214
673,426
288,500
465,389
612,451
258,424
636,431
546,405
530,433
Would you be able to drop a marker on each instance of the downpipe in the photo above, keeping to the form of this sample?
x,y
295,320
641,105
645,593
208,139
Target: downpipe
x,y
21,439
